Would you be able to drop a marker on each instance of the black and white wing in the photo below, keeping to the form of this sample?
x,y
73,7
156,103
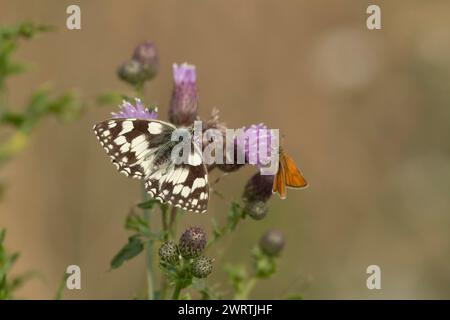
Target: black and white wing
x,y
133,143
182,185
142,149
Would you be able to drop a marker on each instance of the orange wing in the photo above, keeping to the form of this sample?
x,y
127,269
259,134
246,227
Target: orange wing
x,y
292,176
279,184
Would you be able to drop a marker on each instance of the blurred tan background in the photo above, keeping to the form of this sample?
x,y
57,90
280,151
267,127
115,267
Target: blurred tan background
x,y
364,113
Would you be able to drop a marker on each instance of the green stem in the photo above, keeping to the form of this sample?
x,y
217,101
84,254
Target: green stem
x,y
165,225
173,222
148,250
245,292
176,291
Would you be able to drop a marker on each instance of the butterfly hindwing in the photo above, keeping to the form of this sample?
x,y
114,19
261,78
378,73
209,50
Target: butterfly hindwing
x,y
183,185
279,184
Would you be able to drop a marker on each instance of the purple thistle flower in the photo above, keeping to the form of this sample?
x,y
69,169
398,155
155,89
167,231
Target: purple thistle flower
x,y
183,105
128,110
147,55
257,137
192,242
258,188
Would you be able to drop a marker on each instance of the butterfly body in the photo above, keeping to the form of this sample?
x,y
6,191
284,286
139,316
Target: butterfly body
x,y
288,175
142,149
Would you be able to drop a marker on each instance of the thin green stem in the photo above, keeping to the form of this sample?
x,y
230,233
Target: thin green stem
x,y
148,250
245,292
165,226
176,291
173,221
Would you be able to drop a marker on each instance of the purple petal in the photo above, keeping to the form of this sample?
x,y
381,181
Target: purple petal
x,y
128,110
184,73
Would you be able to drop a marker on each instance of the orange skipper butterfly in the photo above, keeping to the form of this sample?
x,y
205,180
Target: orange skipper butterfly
x,y
287,176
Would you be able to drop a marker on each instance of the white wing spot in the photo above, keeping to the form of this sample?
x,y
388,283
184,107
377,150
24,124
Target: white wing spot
x,y
177,189
125,147
120,140
194,159
127,126
112,124
155,127
198,183
185,192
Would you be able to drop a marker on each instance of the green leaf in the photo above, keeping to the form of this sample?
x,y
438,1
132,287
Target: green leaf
x,y
264,265
2,236
110,98
149,204
235,214
237,276
135,222
129,251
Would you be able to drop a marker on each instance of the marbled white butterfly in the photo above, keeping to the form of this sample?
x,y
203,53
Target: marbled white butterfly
x,y
142,149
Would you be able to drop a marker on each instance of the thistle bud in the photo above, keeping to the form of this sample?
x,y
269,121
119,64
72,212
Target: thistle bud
x,y
192,242
168,252
202,267
272,242
147,56
183,105
257,210
258,188
131,72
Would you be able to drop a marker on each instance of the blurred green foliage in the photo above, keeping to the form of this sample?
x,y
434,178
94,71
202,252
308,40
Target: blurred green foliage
x,y
9,284
41,102
16,125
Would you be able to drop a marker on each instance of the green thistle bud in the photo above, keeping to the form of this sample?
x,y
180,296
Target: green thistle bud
x,y
131,72
272,242
192,242
257,210
169,252
202,267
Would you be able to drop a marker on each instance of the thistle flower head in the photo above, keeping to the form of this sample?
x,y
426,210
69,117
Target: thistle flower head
x,y
258,188
184,74
168,252
272,242
202,267
192,242
183,104
128,110
257,137
147,55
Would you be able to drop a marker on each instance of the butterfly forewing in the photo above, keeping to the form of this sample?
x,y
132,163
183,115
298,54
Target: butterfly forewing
x,y
292,176
132,144
288,175
142,149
